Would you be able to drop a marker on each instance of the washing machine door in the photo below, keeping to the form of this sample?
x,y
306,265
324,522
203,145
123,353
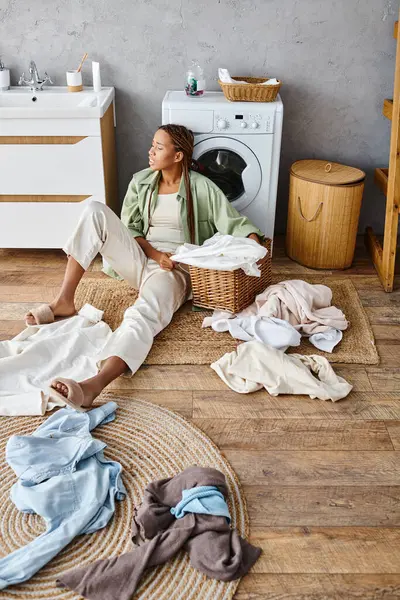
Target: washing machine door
x,y
232,166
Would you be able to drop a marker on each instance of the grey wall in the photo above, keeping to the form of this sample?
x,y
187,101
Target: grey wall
x,y
335,58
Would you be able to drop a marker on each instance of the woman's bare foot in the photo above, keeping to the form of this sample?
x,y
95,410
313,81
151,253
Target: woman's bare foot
x,y
60,308
89,388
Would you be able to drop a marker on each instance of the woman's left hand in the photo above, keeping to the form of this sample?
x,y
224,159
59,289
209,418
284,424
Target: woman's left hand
x,y
165,262
254,236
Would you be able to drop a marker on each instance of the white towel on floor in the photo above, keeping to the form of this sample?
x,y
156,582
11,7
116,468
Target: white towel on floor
x,y
29,362
253,366
223,253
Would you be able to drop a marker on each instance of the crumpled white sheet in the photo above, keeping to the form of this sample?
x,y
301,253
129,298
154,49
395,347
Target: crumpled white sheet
x,y
29,362
223,253
253,366
306,307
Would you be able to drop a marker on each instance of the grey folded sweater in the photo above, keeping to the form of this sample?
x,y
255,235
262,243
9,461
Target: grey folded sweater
x,y
214,548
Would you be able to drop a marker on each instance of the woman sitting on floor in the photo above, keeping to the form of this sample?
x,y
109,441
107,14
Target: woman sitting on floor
x,y
165,206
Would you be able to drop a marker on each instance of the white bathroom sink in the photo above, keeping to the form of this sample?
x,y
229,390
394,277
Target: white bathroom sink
x,y
54,103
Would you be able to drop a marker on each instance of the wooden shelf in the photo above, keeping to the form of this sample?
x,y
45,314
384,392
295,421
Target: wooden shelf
x,y
375,249
384,255
381,179
387,110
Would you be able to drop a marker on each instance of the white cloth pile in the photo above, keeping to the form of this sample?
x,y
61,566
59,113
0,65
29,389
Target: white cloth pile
x,y
253,366
224,76
223,253
29,362
283,313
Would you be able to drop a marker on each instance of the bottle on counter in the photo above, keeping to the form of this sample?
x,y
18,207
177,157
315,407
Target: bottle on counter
x,y
195,82
4,77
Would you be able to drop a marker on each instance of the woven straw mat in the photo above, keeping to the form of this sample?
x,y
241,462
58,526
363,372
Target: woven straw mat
x,y
184,342
151,443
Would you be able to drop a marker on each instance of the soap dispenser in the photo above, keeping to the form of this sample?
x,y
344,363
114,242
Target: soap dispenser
x,y
195,83
4,77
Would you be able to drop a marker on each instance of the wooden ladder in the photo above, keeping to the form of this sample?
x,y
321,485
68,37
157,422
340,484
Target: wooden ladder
x,y
388,180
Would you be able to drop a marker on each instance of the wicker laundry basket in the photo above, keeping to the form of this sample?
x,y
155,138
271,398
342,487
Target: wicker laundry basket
x,y
324,207
254,92
229,290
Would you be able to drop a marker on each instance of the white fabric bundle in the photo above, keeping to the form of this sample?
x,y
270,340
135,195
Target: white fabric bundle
x,y
29,362
223,253
253,366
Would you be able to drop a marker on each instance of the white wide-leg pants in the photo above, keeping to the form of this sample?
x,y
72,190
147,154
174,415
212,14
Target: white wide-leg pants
x,y
161,292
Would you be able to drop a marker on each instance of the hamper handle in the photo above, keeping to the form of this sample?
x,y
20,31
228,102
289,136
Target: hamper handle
x,y
301,212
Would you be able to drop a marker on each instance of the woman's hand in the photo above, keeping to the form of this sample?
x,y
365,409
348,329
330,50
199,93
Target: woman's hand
x,y
163,259
254,236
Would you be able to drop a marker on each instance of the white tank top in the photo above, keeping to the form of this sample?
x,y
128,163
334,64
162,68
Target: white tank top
x,y
165,231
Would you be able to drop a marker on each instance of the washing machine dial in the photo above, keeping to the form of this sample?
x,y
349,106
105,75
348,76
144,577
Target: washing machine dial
x,y
254,125
222,124
243,125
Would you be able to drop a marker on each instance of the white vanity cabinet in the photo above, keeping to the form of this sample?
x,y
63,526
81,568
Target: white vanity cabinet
x,y
57,153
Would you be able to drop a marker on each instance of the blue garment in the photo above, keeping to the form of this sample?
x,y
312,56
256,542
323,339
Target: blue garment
x,y
64,477
203,500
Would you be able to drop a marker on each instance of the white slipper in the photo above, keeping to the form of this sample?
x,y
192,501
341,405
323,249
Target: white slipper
x,y
75,396
42,315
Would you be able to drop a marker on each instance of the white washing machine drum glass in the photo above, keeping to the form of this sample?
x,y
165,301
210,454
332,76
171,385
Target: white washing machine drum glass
x,y
232,166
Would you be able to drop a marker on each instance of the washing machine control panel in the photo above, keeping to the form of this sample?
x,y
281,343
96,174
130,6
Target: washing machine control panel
x,y
243,122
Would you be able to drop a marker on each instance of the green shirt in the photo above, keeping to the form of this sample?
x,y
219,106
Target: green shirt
x,y
212,210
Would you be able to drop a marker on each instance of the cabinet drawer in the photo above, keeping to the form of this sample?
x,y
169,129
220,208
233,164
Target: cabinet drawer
x,y
71,168
38,225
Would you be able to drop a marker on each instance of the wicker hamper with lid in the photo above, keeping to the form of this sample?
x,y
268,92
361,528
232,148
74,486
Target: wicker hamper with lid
x,y
324,208
229,290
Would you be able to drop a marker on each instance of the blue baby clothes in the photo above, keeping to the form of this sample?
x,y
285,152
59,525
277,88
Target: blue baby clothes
x,y
64,477
203,500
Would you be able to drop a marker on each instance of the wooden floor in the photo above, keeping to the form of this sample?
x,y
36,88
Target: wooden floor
x,y
322,480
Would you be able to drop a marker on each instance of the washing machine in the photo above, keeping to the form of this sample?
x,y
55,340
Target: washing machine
x,y
237,145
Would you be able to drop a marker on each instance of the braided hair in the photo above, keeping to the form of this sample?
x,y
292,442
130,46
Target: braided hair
x,y
183,141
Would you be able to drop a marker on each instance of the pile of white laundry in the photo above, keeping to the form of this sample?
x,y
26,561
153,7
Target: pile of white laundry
x,y
223,253
276,320
283,313
224,76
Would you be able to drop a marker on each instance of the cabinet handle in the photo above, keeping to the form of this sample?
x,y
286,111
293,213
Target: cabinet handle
x,y
301,212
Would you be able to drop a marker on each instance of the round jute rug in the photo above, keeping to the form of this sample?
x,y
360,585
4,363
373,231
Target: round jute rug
x,y
151,443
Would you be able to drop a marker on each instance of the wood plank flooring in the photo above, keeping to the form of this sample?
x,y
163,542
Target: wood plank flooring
x,y
322,479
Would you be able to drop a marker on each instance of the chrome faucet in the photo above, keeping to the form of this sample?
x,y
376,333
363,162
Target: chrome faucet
x,y
34,82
